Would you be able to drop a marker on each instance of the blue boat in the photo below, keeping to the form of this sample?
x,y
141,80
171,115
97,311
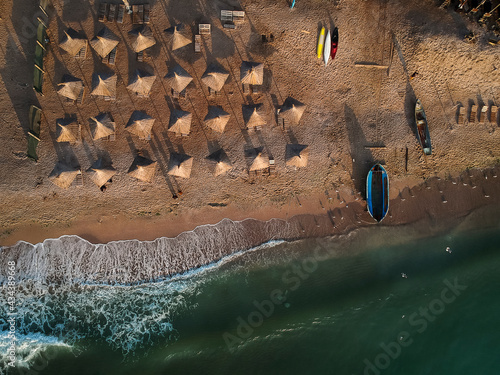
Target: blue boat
x,y
377,192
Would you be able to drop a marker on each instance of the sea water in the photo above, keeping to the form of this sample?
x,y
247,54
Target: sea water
x,y
361,305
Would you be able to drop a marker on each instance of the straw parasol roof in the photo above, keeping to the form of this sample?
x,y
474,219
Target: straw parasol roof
x,y
104,84
142,38
66,130
259,160
63,175
222,162
177,40
252,114
180,165
71,87
101,126
180,122
252,73
72,42
214,77
104,42
292,110
140,124
143,169
178,78
216,119
141,83
296,155
100,172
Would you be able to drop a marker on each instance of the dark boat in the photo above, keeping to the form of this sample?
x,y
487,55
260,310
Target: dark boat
x,y
377,192
335,42
422,128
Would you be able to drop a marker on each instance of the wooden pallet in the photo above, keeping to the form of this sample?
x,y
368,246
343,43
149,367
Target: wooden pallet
x,y
482,114
473,113
493,114
461,115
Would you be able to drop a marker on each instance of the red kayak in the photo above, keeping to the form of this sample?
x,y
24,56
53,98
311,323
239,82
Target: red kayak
x,y
335,42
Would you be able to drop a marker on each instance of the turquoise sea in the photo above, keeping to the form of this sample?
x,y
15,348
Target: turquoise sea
x,y
396,303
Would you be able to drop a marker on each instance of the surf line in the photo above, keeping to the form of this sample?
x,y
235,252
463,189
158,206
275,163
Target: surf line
x,y
264,309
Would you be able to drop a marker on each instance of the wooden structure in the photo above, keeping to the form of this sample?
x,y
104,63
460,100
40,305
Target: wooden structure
x,y
473,113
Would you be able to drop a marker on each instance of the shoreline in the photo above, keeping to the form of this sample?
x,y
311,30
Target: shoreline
x,y
70,258
105,229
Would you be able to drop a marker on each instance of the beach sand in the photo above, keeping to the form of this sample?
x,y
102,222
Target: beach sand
x,y
354,117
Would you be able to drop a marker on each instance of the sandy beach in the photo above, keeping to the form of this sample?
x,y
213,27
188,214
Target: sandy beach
x,y
354,117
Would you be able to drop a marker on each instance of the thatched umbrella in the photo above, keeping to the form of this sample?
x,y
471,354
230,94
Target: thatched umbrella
x,y
296,155
216,119
100,172
260,160
141,83
71,87
142,38
104,84
140,124
252,114
104,42
222,162
66,130
63,175
292,110
177,40
214,77
252,73
180,165
180,122
102,126
72,42
178,78
143,169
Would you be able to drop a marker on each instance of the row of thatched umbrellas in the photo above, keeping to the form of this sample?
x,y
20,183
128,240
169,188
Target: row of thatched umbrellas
x,y
105,41
179,165
141,82
141,124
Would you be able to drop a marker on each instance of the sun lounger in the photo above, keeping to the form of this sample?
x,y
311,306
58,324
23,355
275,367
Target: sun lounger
x,y
80,98
111,137
137,14
226,16
78,181
473,113
121,13
82,53
204,29
147,9
238,16
112,13
246,88
112,57
35,116
197,43
140,56
482,114
494,114
281,122
461,115
272,167
103,11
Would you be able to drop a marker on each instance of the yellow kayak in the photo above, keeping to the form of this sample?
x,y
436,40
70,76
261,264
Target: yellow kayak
x,y
321,42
